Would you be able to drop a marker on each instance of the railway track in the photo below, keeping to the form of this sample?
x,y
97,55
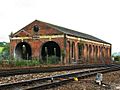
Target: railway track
x,y
50,82
12,72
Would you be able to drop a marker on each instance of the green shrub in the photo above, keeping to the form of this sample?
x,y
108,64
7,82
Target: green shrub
x,y
25,62
0,61
5,51
1,48
21,62
34,62
117,58
53,60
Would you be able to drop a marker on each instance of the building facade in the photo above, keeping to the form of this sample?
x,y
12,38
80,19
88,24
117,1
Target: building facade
x,y
40,40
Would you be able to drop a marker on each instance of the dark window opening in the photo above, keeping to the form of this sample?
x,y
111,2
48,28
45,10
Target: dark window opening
x,y
23,51
80,49
87,53
73,48
90,51
36,28
96,53
50,49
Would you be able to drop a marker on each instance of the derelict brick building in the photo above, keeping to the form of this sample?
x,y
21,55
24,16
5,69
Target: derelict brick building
x,y
40,40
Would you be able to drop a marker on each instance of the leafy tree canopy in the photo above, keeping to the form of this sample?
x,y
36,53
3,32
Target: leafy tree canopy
x,y
2,44
5,51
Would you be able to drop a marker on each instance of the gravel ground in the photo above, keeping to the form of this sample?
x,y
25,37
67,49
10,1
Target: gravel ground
x,y
111,81
17,78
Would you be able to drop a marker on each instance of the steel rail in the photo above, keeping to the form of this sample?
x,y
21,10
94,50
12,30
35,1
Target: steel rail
x,y
61,82
12,72
65,78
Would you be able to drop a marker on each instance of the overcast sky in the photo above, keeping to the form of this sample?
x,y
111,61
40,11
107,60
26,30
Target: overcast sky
x,y
100,18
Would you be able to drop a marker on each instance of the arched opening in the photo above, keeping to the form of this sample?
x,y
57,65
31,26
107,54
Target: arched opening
x,y
80,50
90,53
68,51
102,55
73,50
106,53
87,54
96,54
50,49
23,51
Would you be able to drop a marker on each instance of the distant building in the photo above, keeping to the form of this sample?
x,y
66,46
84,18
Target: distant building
x,y
40,40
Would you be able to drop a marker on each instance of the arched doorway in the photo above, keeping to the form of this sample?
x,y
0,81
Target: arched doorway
x,y
73,51
80,50
50,49
23,51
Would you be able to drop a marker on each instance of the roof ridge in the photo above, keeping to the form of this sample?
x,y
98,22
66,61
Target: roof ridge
x,y
69,31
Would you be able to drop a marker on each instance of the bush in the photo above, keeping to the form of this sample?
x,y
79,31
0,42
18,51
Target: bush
x,y
5,53
0,62
117,58
53,60
0,57
24,62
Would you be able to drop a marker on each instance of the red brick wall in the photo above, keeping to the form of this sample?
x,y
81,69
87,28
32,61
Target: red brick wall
x,y
44,30
93,57
36,44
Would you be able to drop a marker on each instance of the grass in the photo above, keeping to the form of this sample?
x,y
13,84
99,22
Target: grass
x,y
1,48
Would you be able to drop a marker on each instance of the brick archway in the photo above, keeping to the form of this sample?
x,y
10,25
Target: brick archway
x,y
23,51
49,49
80,48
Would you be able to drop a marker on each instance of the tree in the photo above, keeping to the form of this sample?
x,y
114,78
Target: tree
x,y
2,44
5,52
117,58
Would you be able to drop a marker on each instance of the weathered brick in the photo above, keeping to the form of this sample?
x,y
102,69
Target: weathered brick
x,y
91,53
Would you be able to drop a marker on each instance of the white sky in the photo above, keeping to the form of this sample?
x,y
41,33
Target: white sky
x,y
100,18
